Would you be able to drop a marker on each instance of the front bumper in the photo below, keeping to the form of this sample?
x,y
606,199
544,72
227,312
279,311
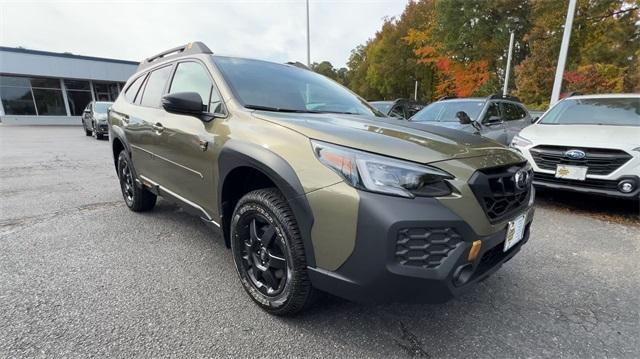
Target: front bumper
x,y
102,128
377,270
591,186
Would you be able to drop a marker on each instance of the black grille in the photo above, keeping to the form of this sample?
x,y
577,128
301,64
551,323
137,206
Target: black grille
x,y
587,183
425,247
600,161
496,190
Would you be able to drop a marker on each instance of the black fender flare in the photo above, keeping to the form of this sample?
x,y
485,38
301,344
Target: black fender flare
x,y
237,154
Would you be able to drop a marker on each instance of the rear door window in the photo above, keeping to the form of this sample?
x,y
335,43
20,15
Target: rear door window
x,y
154,88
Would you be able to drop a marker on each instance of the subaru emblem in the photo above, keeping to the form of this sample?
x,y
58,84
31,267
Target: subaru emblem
x,y
521,179
575,154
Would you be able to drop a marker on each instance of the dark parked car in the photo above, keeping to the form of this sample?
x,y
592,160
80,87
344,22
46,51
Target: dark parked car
x,y
496,117
94,119
400,108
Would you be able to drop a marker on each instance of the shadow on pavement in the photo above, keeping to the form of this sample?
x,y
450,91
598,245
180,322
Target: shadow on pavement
x,y
605,208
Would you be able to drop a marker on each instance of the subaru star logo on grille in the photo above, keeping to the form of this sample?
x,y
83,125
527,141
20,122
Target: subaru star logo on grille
x,y
521,179
575,154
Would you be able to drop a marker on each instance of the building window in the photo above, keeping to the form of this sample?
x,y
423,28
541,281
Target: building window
x,y
78,95
48,96
16,96
106,91
31,96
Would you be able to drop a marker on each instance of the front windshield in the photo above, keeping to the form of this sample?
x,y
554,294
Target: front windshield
x,y
276,87
383,107
445,111
621,111
102,107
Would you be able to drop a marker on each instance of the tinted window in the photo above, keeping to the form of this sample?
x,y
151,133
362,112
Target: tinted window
x,y
596,111
472,108
154,88
429,113
130,93
492,111
17,100
193,77
287,88
513,112
397,112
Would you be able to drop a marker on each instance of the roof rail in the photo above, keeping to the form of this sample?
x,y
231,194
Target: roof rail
x,y
446,98
503,97
195,47
574,93
298,64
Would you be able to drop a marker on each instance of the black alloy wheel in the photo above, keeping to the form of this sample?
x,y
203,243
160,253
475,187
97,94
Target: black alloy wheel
x,y
263,255
268,253
137,198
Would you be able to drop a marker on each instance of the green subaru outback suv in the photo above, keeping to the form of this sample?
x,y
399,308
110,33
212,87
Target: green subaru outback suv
x,y
313,189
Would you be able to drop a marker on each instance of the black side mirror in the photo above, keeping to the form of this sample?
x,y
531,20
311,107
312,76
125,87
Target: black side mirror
x,y
186,103
463,117
535,119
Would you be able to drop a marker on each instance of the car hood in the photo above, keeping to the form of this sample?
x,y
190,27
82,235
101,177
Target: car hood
x,y
583,135
391,137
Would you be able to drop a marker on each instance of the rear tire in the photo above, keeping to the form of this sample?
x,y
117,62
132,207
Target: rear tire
x,y
138,199
269,253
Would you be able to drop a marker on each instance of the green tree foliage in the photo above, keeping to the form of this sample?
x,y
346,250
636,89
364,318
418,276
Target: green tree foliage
x,y
459,47
325,68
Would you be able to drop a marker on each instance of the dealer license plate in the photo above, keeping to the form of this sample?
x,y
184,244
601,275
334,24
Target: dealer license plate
x,y
515,232
571,172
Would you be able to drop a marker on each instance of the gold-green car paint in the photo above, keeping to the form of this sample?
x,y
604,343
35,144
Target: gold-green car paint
x,y
174,159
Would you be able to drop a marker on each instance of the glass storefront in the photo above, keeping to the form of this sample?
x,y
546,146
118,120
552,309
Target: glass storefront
x,y
39,96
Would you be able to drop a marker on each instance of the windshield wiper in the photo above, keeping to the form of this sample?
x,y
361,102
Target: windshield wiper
x,y
279,109
275,109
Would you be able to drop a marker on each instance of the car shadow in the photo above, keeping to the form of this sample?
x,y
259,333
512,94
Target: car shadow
x,y
609,209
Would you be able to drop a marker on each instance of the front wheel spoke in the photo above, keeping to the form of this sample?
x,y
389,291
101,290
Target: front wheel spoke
x,y
253,232
270,279
277,261
268,235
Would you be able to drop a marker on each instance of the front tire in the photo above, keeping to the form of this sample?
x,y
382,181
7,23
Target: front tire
x,y
138,199
86,131
269,253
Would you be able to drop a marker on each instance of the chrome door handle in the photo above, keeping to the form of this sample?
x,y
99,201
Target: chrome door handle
x,y
158,127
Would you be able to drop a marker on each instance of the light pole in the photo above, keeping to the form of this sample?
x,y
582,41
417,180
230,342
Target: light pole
x,y
564,49
308,39
505,89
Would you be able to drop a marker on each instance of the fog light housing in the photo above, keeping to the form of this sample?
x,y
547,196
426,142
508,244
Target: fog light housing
x,y
626,186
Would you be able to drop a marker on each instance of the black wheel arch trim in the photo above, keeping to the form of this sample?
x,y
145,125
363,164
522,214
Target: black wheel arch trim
x,y
236,154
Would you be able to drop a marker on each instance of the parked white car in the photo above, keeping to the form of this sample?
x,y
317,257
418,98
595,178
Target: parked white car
x,y
587,144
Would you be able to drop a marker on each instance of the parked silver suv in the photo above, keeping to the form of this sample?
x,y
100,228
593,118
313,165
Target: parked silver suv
x,y
497,117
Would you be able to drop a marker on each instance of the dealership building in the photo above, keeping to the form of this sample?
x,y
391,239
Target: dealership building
x,y
48,88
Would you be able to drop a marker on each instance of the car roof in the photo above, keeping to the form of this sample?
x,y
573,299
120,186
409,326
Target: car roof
x,y
382,102
605,95
105,102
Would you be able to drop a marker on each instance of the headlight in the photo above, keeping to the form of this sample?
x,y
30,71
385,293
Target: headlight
x,y
382,174
519,141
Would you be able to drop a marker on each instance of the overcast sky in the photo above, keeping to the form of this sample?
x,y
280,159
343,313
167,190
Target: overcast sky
x,y
133,30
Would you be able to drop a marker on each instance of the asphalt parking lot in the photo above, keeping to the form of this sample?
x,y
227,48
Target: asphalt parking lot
x,y
81,276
